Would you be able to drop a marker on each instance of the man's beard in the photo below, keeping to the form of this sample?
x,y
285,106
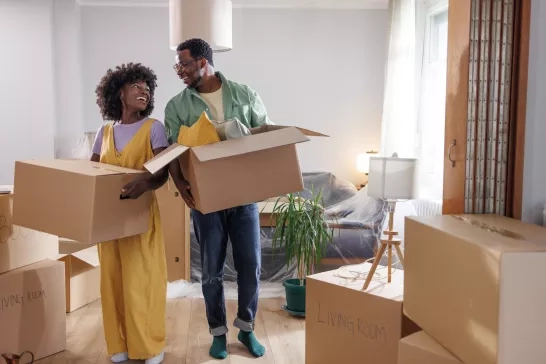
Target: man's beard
x,y
197,82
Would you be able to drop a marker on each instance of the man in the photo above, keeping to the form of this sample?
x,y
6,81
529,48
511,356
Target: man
x,y
222,99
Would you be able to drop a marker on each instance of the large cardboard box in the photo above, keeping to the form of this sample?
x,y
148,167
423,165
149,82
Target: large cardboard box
x,y
475,283
78,200
420,348
20,246
82,273
250,169
175,223
346,325
32,309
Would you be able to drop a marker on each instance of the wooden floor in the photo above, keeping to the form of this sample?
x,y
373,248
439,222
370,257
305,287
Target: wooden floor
x,y
188,338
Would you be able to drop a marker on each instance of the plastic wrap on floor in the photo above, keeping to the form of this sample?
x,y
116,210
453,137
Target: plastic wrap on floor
x,y
181,289
357,221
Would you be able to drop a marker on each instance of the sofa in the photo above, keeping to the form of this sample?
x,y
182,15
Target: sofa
x,y
357,221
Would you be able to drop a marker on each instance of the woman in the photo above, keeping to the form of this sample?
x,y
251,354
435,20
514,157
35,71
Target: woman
x,y
133,269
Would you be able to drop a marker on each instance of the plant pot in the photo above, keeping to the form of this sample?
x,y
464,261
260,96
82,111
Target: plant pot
x,y
295,296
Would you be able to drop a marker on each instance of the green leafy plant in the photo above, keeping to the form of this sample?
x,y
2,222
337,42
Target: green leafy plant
x,y
301,231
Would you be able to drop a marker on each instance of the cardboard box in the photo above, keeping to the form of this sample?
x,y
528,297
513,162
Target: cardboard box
x,y
78,200
475,283
32,310
82,273
175,223
420,348
250,169
346,325
20,246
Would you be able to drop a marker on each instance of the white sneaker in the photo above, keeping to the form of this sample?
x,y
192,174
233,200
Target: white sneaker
x,y
158,359
119,357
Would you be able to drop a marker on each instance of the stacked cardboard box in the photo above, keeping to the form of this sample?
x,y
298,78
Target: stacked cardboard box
x,y
32,308
347,325
175,223
82,273
474,284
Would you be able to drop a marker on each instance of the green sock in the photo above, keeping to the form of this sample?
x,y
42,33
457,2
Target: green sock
x,y
218,349
251,343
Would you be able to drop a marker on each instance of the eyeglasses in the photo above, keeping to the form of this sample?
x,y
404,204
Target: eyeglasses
x,y
180,66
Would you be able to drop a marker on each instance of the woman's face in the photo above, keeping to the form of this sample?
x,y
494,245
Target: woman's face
x,y
136,95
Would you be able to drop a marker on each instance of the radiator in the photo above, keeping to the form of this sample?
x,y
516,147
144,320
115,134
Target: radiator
x,y
427,207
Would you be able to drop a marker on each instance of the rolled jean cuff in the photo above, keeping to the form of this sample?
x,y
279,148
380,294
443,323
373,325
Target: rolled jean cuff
x,y
219,331
243,325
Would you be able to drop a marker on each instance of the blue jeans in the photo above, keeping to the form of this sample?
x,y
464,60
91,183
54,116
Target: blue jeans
x,y
242,226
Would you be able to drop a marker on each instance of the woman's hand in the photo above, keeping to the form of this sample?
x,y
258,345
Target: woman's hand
x,y
135,189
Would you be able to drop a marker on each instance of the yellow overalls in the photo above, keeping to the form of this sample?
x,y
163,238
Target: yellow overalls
x,y
134,269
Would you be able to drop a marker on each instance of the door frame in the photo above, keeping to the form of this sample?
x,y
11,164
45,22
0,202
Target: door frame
x,y
457,107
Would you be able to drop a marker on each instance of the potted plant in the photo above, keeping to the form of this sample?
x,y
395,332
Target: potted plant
x,y
303,235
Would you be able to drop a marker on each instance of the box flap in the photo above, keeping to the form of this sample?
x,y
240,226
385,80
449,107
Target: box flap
x,y
164,158
89,256
269,128
498,234
379,285
67,246
84,167
249,144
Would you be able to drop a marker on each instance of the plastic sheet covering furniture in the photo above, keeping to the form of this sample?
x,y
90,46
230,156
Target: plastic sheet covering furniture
x,y
356,218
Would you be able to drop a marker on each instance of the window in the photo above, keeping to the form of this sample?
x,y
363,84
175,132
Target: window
x,y
431,101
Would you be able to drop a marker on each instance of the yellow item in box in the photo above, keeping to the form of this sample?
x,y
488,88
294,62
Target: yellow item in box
x,y
201,133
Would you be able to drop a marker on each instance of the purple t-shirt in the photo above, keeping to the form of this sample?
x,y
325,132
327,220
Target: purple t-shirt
x,y
123,133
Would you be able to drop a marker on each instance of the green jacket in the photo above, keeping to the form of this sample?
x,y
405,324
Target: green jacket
x,y
240,101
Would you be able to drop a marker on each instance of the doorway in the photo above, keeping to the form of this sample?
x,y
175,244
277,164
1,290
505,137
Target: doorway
x,y
488,52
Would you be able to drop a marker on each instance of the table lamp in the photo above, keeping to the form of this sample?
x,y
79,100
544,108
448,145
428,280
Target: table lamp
x,y
363,163
390,179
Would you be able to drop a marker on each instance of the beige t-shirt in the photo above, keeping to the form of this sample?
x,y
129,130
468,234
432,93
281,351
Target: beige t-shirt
x,y
215,103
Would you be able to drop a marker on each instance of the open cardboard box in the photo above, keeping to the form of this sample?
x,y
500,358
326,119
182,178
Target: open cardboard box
x,y
344,324
78,200
240,171
82,273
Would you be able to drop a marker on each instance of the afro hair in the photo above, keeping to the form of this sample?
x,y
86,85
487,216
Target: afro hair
x,y
109,88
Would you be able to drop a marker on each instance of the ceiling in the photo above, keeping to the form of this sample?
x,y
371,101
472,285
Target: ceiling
x,y
324,4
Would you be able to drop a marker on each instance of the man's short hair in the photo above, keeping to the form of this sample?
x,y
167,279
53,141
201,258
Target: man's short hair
x,y
198,49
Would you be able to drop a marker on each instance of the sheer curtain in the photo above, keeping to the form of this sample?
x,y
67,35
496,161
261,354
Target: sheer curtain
x,y
399,125
432,99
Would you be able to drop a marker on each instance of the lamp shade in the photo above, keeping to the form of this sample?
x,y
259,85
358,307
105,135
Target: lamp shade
x,y
392,178
210,20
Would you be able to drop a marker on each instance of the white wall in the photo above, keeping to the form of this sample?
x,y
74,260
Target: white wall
x,y
319,69
68,77
534,177
27,92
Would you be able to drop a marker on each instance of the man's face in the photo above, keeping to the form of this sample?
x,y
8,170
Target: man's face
x,y
188,69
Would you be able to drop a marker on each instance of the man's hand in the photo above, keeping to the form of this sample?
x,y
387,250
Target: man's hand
x,y
184,188
135,189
